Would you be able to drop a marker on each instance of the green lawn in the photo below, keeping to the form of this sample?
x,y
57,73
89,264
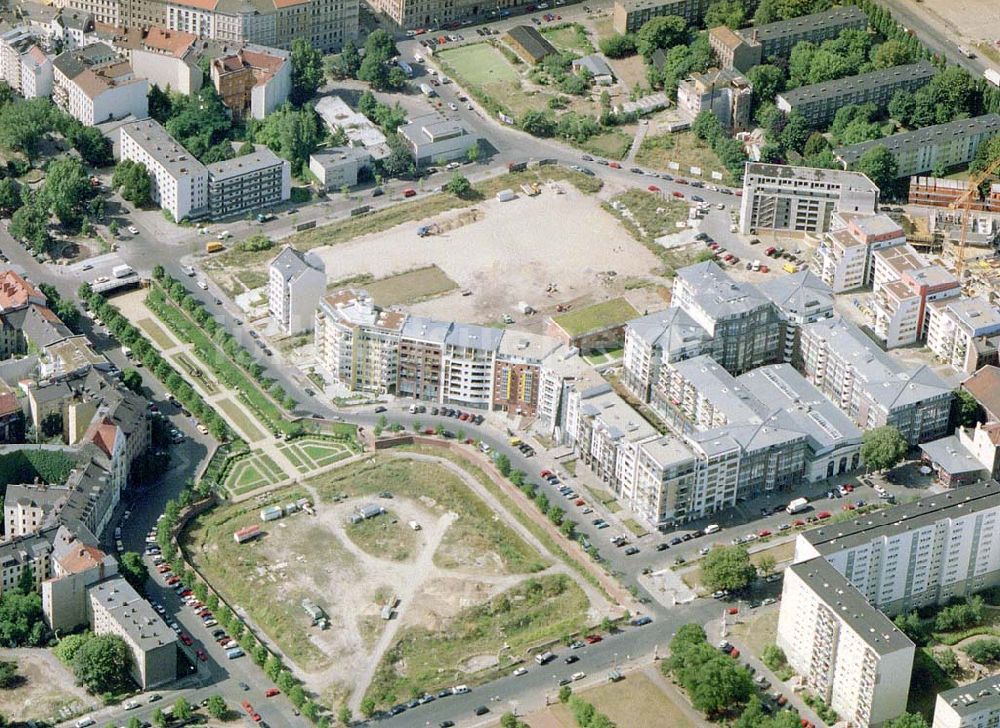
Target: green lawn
x,y
411,287
613,144
597,317
250,473
634,701
569,37
196,374
479,64
244,424
156,333
685,149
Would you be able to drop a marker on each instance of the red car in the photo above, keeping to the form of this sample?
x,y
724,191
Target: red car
x,y
592,639
848,487
579,502
545,473
653,188
848,506
201,655
823,515
675,193
713,246
764,269
271,692
680,180
163,568
419,31
409,192
738,193
185,592
185,639
732,610
798,522
247,707
727,256
614,165
735,653
764,533
256,717
173,580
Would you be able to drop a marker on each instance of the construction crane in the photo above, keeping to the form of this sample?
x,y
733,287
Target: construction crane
x,y
964,203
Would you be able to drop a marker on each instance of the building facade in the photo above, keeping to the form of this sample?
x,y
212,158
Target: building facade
x,y
976,705
432,137
254,81
954,327
630,15
843,257
179,182
725,93
665,336
93,86
256,181
296,282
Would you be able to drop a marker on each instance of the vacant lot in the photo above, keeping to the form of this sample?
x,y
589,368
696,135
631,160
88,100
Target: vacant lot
x,y
48,692
597,317
613,144
686,150
571,37
638,700
968,19
411,287
649,215
386,537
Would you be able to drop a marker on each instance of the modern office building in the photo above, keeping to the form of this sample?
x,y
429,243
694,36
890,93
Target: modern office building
x,y
801,298
941,146
975,705
432,137
955,328
253,81
179,181
247,183
116,608
630,15
871,387
818,102
801,199
668,335
296,282
843,257
725,93
94,86
745,328
850,654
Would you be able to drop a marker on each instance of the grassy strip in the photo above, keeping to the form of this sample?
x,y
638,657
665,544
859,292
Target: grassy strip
x,y
249,429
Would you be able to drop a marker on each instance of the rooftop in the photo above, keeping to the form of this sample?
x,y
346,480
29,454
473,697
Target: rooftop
x,y
162,147
833,18
850,180
975,316
357,308
668,330
951,455
598,317
431,128
618,419
727,37
984,385
420,328
854,611
171,42
16,292
595,63
291,263
471,336
914,72
525,346
717,294
900,258
667,451
801,293
260,158
132,613
533,42
901,143
872,225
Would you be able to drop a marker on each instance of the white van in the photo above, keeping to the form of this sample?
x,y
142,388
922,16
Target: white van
x,y
712,528
460,690
84,722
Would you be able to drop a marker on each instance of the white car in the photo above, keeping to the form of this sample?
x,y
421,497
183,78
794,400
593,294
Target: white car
x,y
453,106
130,705
520,671
579,675
133,229
202,429
203,285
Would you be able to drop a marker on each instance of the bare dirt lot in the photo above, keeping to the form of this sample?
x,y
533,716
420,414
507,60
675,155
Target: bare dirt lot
x,y
499,259
48,691
973,20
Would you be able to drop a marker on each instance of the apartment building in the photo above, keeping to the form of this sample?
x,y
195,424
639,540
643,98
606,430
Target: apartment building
x,y
163,57
956,326
745,328
848,652
801,199
668,335
818,102
295,284
630,15
801,298
23,65
94,86
250,182
421,353
975,705
941,146
904,286
21,553
432,137
517,373
76,564
871,387
357,343
725,93
468,365
561,372
668,474
179,182
843,257
72,29
116,608
734,51
253,81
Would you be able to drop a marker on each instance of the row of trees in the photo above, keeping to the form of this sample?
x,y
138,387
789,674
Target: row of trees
x,y
583,712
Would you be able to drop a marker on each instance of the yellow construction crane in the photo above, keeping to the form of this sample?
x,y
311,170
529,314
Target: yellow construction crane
x,y
964,203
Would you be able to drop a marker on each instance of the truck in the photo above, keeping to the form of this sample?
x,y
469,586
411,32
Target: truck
x,y
214,247
797,506
505,195
122,271
427,90
544,658
265,216
992,76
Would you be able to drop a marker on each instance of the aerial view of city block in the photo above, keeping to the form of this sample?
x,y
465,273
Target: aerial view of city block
x,y
531,364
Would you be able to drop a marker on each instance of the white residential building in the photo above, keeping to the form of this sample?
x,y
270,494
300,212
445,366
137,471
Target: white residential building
x,y
162,57
360,130
976,705
801,199
23,65
250,182
179,181
468,365
955,327
94,86
844,256
801,298
339,166
296,283
849,653
668,335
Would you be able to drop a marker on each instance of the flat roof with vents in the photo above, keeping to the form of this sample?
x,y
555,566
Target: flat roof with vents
x,y
912,73
982,695
947,133
153,139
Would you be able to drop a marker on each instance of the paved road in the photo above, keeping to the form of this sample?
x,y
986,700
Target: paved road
x,y
934,35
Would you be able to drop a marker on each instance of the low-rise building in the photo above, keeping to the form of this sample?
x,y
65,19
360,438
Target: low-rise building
x,y
968,456
528,44
779,38
253,81
296,282
871,387
116,608
727,94
432,137
818,102
248,183
94,86
597,68
339,166
801,199
940,146
360,131
630,15
955,325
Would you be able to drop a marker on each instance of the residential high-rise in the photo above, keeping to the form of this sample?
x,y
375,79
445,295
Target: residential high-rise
x,y
668,335
975,705
844,256
257,181
296,283
956,328
801,298
179,181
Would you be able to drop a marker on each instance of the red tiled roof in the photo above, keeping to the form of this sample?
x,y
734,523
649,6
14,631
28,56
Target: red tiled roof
x,y
81,558
984,385
104,437
8,404
15,292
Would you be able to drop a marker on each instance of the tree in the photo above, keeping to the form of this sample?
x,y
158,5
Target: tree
x,y
292,134
24,124
883,447
10,196
907,720
969,411
619,45
728,568
21,620
216,706
773,656
66,189
102,663
134,569
160,106
502,463
344,715
795,132
538,124
350,59
459,186
199,121
983,651
664,31
707,127
753,716
892,53
902,106
767,81
182,709
93,146
52,424
879,165
66,649
564,693
731,13
307,71
368,707
133,380
946,660
132,180
815,144
8,675
766,565
159,719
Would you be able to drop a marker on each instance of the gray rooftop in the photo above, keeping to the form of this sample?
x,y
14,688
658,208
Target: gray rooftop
x,y
620,419
668,451
887,380
132,613
913,72
717,294
260,158
851,607
162,147
432,128
72,63
533,42
720,387
888,522
525,346
668,330
420,328
470,336
951,455
595,63
290,262
911,140
833,18
801,294
851,180
975,316
977,697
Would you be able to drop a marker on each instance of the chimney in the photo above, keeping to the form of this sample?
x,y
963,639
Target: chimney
x,y
753,36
